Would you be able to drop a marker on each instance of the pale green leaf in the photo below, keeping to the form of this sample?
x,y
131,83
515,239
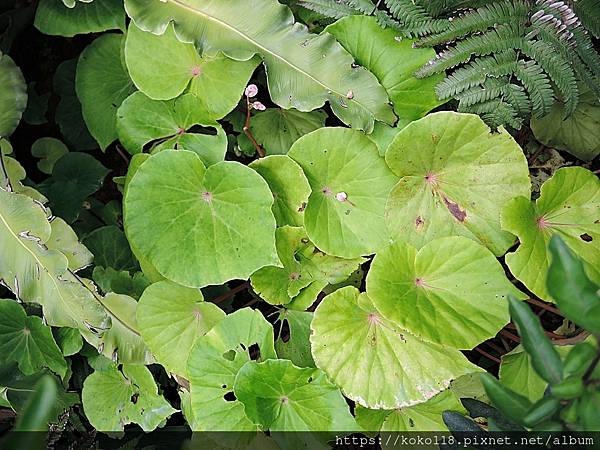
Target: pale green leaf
x,y
393,60
296,347
12,174
289,186
303,70
26,340
115,398
569,206
171,318
141,120
214,363
64,239
49,150
163,67
350,184
376,363
452,291
200,226
102,83
52,17
13,95
280,396
456,175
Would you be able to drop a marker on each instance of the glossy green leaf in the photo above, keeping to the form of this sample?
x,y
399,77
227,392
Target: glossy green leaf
x,y
115,398
376,363
303,265
282,397
69,340
75,176
200,226
569,206
214,363
303,70
37,274
13,95
578,134
456,175
171,318
289,186
393,60
350,185
68,114
452,291
52,17
508,402
120,282
102,83
575,294
163,67
277,129
110,248
26,340
49,150
296,345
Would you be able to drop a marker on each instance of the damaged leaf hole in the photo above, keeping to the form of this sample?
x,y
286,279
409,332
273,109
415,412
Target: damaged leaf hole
x,y
586,237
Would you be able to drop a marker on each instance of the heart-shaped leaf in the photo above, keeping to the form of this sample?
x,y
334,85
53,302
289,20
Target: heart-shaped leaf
x,y
200,226
49,150
452,291
163,67
375,362
456,175
350,184
303,74
171,318
214,363
569,205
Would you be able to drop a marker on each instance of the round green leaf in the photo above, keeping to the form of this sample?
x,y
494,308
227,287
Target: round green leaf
x,y
569,205
455,178
282,397
53,18
452,291
200,226
171,318
141,120
393,60
13,95
303,266
350,184
114,398
26,340
376,363
289,186
214,363
102,83
162,67
49,150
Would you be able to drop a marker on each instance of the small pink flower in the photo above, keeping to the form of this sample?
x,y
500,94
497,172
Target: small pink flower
x,y
259,106
341,196
251,91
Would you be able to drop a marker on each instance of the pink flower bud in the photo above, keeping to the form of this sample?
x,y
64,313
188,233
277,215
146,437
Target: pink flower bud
x,y
251,91
259,106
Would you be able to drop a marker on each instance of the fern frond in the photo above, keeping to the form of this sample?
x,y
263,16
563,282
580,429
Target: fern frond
x,y
476,72
531,75
495,113
518,99
588,12
479,94
414,18
335,9
480,20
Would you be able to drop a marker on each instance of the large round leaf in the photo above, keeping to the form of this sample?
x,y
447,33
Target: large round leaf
x,y
456,175
393,61
171,318
452,291
102,83
282,397
163,67
200,226
141,120
376,363
114,398
289,186
13,95
569,205
350,184
214,363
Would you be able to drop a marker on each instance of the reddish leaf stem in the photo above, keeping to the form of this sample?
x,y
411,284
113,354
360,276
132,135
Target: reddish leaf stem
x,y
259,149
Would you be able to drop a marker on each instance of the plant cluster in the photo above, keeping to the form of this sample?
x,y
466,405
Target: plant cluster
x,y
228,221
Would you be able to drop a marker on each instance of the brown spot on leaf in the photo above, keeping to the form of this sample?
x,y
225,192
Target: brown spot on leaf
x,y
419,222
459,214
586,237
302,207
